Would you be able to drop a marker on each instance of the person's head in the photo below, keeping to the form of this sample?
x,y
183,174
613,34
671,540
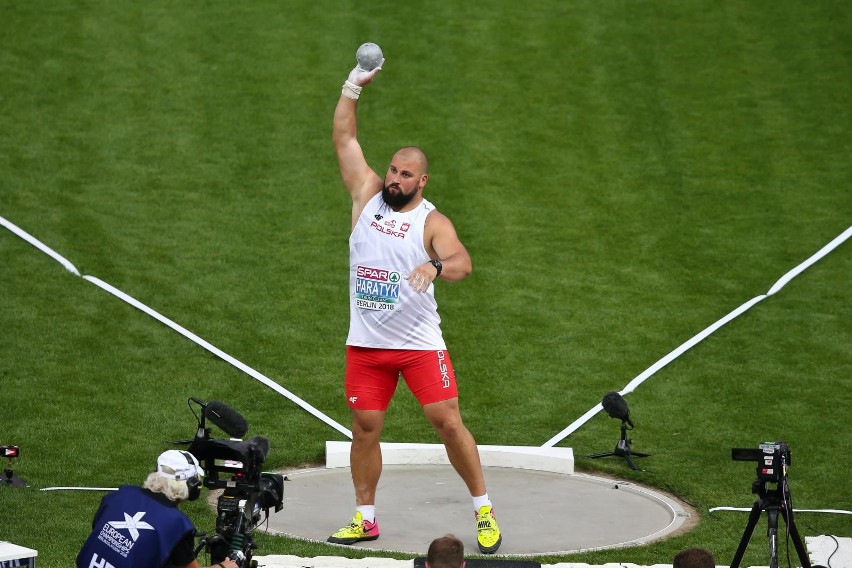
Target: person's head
x,y
178,476
405,178
694,558
445,552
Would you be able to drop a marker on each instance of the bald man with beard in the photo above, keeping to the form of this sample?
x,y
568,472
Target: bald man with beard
x,y
399,246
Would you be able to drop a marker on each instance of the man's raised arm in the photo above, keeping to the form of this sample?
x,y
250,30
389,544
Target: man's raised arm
x,y
360,181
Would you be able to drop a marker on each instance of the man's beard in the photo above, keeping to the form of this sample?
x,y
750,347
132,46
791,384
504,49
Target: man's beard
x,y
397,200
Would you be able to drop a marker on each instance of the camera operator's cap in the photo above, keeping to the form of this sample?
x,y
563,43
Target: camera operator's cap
x,y
182,463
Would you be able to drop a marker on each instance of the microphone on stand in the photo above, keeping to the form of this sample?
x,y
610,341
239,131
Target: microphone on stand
x,y
227,419
616,407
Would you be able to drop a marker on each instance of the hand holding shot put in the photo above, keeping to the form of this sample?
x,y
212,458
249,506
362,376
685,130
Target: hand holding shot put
x,y
394,326
370,60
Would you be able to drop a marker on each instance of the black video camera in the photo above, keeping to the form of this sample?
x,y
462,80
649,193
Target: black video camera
x,y
772,459
235,466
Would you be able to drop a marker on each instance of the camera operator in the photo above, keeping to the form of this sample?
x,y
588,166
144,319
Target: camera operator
x,y
142,527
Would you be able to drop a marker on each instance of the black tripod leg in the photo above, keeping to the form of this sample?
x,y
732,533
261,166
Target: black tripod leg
x,y
797,540
772,533
601,455
749,530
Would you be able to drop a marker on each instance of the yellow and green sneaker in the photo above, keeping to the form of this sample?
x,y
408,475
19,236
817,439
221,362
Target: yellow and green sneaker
x,y
488,535
357,530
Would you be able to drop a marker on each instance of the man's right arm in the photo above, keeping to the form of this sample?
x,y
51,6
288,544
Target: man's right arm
x,y
353,166
361,182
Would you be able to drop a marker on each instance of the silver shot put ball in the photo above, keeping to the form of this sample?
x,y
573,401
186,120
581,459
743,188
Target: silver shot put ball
x,y
369,56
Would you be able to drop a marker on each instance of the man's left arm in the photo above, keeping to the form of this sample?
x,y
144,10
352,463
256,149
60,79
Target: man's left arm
x,y
442,244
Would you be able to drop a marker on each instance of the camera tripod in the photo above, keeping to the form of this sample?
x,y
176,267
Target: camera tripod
x,y
775,503
9,477
622,449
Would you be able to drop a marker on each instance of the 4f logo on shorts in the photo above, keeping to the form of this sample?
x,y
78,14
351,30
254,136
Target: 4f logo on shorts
x,y
353,399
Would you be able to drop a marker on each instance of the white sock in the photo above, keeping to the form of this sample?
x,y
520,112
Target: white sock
x,y
481,501
368,512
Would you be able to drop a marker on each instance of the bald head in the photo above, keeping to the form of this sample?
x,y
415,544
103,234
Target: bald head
x,y
413,155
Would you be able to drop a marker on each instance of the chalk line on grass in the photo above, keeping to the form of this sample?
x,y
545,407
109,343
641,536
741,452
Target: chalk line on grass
x,y
571,428
178,328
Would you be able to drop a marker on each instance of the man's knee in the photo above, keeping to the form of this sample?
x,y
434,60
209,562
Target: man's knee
x,y
444,416
366,425
448,424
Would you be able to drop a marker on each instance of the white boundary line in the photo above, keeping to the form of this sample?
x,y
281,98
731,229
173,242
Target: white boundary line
x,y
219,353
180,329
40,246
79,489
703,334
677,512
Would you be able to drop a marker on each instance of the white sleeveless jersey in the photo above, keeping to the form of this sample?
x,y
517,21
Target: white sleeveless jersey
x,y
385,312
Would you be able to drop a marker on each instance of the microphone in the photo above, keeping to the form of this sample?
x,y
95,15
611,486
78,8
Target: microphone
x,y
616,407
229,420
260,446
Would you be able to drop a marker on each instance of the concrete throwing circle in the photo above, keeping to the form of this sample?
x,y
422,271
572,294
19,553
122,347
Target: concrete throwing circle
x,y
539,513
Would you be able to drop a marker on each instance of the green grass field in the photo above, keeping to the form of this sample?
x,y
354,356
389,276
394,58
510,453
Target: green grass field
x,y
623,173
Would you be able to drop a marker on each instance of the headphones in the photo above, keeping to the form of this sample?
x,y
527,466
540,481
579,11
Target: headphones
x,y
193,483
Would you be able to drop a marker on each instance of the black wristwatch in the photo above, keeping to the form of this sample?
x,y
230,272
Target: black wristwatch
x,y
438,266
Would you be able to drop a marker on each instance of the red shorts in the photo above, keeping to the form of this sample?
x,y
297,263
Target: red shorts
x,y
372,376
